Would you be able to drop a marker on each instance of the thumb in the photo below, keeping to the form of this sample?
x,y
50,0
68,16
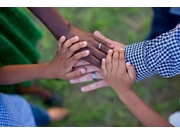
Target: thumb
x,y
75,74
131,71
98,34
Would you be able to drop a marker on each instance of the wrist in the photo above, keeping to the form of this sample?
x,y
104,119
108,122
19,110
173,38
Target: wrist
x,y
37,71
53,20
125,94
69,33
46,71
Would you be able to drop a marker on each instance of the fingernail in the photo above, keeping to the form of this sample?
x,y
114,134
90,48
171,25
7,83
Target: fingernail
x,y
76,38
85,43
128,63
83,71
109,51
97,33
62,38
121,48
71,81
87,52
83,89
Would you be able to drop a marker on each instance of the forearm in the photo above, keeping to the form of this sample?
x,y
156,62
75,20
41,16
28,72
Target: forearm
x,y
18,73
56,23
59,26
146,115
135,54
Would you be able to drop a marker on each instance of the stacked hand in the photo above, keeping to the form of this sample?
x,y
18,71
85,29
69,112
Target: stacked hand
x,y
59,26
62,64
119,75
97,51
90,68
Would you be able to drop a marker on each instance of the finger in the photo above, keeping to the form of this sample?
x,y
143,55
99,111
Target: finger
x,y
75,74
115,60
68,43
103,67
81,63
105,43
122,60
97,54
103,48
109,61
78,56
75,47
89,68
98,34
85,78
60,42
131,71
93,60
95,85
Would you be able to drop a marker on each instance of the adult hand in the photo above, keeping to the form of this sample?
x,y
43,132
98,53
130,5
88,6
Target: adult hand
x,y
93,41
59,26
115,44
87,77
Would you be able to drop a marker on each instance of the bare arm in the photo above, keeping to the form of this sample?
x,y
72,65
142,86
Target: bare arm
x,y
59,26
54,21
146,115
61,66
19,73
121,76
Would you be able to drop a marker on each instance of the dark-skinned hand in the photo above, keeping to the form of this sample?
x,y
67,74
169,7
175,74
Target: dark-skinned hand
x,y
59,26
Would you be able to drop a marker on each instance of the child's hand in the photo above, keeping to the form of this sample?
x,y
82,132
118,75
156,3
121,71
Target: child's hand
x,y
62,64
119,75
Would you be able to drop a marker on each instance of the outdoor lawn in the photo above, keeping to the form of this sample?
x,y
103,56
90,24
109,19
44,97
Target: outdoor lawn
x,y
102,107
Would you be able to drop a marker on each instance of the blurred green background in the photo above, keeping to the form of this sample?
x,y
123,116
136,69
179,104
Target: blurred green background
x,y
102,108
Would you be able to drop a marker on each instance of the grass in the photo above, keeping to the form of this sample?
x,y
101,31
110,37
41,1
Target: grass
x,y
102,108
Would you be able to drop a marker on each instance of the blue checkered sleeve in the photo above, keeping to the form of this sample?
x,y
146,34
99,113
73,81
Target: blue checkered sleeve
x,y
15,111
158,56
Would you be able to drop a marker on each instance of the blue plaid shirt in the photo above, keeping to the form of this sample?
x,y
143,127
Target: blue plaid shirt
x,y
158,56
15,111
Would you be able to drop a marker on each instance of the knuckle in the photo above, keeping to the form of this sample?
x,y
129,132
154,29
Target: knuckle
x,y
71,49
75,57
76,46
89,76
72,40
